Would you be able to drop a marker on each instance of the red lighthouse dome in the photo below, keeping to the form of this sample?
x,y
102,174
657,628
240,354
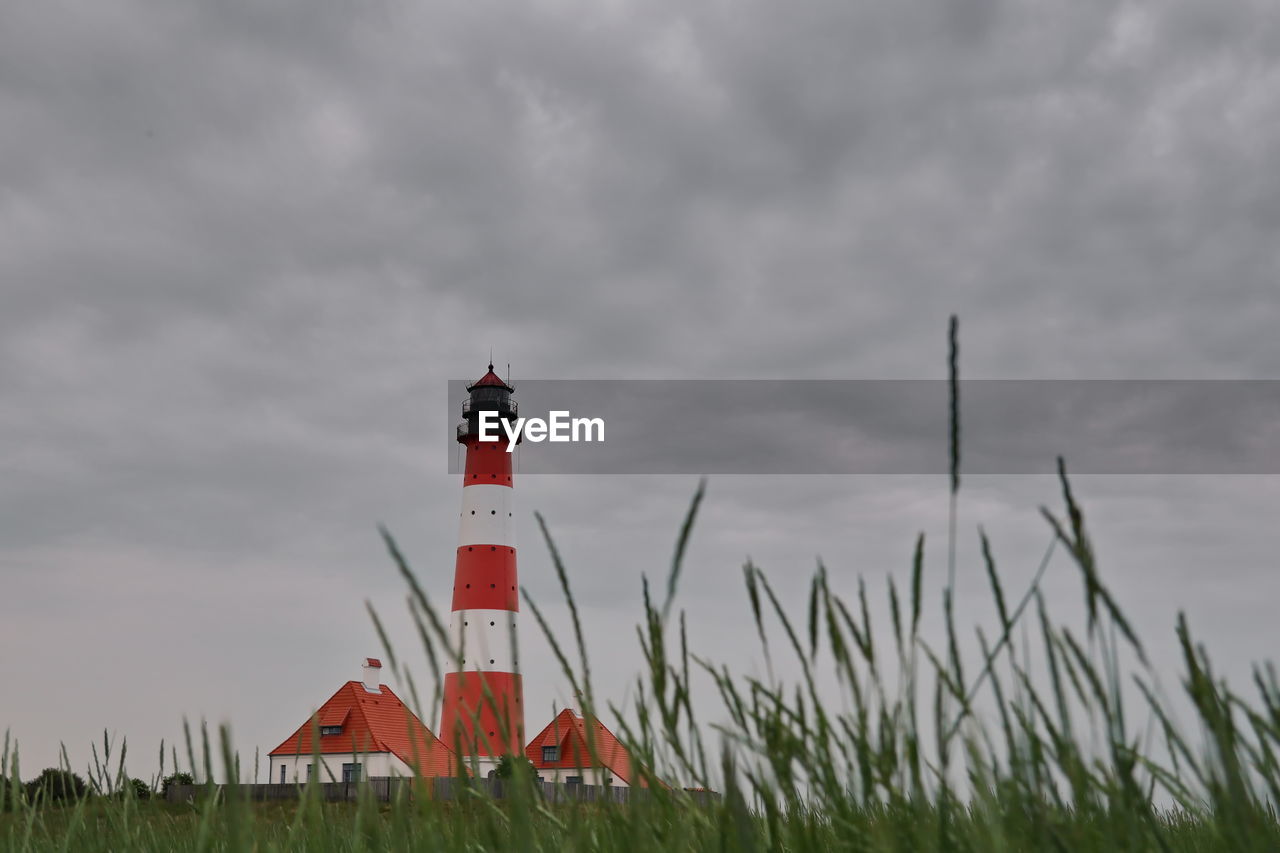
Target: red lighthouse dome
x,y
490,379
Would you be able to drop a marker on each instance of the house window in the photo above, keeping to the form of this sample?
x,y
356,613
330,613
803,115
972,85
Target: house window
x,y
573,780
309,766
550,753
281,774
330,730
351,773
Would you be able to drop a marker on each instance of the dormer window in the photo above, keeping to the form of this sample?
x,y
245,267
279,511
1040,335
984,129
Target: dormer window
x,y
550,753
332,721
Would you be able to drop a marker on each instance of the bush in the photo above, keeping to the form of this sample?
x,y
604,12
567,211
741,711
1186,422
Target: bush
x,y
175,779
141,790
507,765
55,785
10,796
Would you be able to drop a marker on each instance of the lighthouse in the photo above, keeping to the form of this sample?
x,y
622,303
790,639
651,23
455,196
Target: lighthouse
x,y
483,713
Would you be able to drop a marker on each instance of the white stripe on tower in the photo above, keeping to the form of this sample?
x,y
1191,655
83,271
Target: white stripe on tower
x,y
484,639
486,516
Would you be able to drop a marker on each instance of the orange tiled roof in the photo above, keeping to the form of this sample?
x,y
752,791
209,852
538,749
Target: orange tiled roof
x,y
568,731
373,722
335,715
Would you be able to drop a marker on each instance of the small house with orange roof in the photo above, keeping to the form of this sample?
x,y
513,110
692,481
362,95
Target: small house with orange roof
x,y
560,753
364,731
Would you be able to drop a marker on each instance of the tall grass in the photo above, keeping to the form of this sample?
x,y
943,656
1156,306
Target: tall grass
x,y
1031,745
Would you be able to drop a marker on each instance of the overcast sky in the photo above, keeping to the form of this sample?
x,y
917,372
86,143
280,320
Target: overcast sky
x,y
245,245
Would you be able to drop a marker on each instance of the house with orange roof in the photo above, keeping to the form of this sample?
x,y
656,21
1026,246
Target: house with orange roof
x,y
363,731
560,753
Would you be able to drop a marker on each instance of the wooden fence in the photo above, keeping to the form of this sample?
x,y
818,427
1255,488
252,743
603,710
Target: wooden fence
x,y
389,788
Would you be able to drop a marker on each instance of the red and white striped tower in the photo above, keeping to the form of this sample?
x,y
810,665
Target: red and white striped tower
x,y
482,686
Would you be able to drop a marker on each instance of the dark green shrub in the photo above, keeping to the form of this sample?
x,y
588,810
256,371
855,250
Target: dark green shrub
x,y
507,765
175,779
10,795
55,785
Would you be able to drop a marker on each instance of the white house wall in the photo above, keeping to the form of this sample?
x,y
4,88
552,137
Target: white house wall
x,y
381,764
375,764
481,765
589,776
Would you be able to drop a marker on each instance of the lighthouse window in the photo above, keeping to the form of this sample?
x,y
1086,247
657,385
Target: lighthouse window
x,y
490,660
490,624
473,512
493,512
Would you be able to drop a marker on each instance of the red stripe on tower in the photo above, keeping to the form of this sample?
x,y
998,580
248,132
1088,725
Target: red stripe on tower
x,y
483,714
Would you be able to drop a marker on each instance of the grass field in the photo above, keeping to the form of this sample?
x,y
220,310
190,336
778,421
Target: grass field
x,y
924,749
